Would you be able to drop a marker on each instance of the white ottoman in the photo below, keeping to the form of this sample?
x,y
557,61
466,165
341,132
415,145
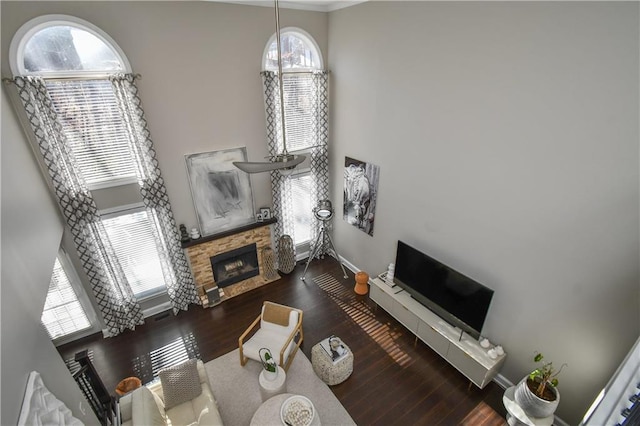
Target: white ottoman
x,y
330,373
269,388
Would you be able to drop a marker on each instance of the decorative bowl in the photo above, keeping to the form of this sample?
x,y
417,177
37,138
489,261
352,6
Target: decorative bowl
x,y
297,410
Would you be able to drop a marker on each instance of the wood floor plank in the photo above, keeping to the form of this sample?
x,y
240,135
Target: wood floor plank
x,y
396,380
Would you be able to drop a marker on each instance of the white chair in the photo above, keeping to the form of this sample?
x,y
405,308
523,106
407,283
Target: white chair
x,y
280,331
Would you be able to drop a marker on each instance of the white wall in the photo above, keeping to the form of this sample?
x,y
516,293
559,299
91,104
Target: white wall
x,y
31,232
507,140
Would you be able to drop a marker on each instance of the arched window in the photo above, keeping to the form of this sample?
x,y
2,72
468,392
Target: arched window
x,y
61,45
76,60
299,51
72,55
301,57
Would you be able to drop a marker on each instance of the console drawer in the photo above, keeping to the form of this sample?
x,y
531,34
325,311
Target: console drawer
x,y
405,316
383,300
435,340
468,366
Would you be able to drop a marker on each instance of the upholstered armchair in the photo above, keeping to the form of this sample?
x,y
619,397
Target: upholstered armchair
x,y
277,328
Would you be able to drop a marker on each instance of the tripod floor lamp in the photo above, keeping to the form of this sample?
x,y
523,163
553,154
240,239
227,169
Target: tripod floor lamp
x,y
324,213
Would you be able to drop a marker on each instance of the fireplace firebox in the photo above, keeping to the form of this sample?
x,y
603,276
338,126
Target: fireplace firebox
x,y
235,265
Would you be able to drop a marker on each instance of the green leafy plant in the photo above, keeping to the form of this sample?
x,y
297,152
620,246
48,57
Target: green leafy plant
x,y
267,360
543,376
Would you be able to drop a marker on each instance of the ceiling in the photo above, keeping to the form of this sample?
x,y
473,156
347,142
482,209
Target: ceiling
x,y
318,5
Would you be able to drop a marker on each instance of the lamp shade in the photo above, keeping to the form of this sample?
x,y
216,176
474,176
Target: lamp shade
x,y
324,210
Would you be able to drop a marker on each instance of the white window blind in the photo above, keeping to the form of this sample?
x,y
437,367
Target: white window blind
x,y
91,121
298,110
300,190
63,314
132,238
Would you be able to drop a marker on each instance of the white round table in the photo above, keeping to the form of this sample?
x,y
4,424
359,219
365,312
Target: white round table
x,y
269,412
269,388
516,415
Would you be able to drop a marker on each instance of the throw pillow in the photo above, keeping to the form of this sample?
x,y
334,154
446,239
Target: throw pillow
x,y
180,383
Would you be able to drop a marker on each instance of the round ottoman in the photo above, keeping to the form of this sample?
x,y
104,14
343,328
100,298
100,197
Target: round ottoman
x,y
330,373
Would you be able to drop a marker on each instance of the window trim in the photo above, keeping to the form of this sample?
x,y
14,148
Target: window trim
x,y
31,27
302,34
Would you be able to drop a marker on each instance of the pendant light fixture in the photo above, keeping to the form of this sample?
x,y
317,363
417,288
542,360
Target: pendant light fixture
x,y
285,162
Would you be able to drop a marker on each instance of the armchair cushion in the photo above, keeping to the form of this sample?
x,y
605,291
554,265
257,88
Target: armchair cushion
x,y
144,406
283,324
180,383
271,340
202,410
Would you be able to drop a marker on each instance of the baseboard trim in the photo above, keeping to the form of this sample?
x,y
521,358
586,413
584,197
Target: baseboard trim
x,y
503,382
350,266
146,313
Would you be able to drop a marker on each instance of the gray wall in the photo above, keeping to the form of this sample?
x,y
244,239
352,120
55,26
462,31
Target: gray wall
x,y
31,232
201,91
507,138
200,87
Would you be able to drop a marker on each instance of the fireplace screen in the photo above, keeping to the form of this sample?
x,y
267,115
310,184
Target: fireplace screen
x,y
235,265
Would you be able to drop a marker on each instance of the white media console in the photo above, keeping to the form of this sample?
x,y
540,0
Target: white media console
x,y
466,355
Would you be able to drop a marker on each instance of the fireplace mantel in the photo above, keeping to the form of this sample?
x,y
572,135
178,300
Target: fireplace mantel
x,y
233,231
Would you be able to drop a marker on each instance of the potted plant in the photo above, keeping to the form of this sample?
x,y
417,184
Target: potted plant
x,y
537,394
269,364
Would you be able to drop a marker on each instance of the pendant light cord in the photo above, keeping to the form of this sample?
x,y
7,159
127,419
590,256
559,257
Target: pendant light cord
x,y
280,80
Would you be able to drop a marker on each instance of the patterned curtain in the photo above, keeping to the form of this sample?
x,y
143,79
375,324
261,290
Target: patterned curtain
x,y
319,153
279,188
319,158
178,278
116,301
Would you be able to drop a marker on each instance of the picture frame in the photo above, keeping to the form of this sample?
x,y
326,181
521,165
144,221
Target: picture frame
x,y
265,212
360,193
221,193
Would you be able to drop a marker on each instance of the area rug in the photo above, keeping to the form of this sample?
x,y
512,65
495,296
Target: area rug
x,y
237,391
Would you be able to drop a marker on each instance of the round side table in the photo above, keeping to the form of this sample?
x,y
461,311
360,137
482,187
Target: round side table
x,y
269,388
516,415
330,373
269,412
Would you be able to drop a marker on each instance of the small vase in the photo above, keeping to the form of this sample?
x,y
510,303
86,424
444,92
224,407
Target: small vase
x,y
362,279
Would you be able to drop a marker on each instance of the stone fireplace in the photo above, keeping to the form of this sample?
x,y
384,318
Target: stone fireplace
x,y
229,249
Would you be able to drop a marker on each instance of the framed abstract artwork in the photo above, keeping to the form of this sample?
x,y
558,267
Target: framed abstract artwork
x,y
221,193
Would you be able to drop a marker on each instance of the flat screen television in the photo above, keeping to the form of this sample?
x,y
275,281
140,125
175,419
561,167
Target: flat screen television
x,y
456,298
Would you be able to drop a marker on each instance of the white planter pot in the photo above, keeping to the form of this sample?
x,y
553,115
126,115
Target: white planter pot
x,y
533,405
271,375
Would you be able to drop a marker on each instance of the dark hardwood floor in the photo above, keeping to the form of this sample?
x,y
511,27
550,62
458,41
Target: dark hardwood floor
x,y
395,380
